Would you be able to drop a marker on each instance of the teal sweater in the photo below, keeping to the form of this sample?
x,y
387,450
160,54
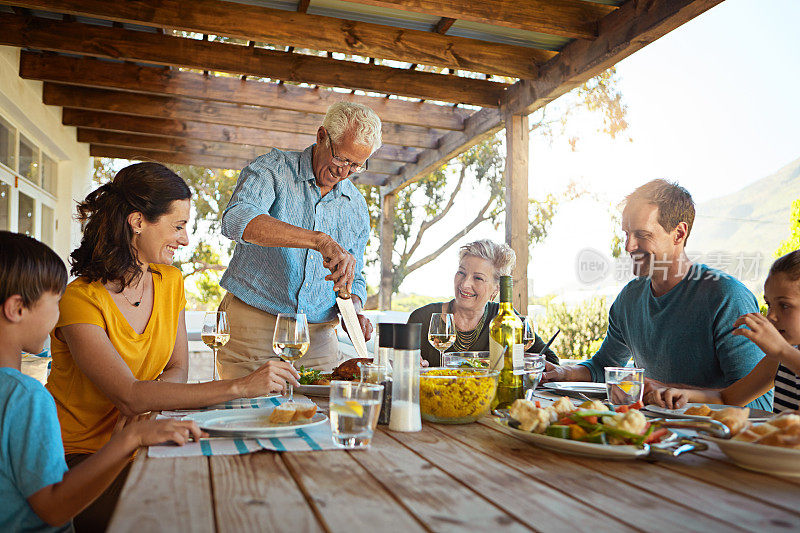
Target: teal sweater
x,y
683,336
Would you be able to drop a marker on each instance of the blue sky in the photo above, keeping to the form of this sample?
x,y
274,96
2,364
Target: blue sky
x,y
712,105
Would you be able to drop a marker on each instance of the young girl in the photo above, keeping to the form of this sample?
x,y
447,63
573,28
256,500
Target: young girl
x,y
777,335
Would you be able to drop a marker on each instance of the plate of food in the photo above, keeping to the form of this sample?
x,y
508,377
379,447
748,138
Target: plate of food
x,y
703,411
318,383
588,388
278,421
589,430
772,447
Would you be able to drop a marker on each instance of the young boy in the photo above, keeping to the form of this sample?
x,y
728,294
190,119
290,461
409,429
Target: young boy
x,y
37,491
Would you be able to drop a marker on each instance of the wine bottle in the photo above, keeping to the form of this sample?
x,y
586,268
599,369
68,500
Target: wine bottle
x,y
505,342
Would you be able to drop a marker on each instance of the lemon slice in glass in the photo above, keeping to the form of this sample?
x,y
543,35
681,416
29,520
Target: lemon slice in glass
x,y
348,408
626,386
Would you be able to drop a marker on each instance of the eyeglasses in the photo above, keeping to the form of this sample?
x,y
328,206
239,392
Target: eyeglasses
x,y
342,162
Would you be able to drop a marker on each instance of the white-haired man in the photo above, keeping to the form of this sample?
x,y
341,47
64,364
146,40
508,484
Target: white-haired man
x,y
300,228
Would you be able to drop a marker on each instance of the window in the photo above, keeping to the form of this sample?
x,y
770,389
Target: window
x,y
25,218
48,225
49,168
7,141
28,159
5,201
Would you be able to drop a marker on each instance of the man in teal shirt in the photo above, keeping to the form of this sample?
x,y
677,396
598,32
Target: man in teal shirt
x,y
675,319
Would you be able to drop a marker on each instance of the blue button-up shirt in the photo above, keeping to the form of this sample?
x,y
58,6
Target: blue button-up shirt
x,y
281,184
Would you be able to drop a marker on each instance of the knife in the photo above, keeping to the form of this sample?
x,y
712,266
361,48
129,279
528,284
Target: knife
x,y
348,311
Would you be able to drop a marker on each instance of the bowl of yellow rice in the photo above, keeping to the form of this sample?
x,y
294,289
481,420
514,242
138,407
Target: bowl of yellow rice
x,y
456,395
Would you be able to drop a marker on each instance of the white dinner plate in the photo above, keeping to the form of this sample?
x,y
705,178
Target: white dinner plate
x,y
756,415
584,449
588,388
250,422
759,457
315,390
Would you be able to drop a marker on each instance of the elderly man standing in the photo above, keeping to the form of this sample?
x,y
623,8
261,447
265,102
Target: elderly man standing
x,y
300,228
675,319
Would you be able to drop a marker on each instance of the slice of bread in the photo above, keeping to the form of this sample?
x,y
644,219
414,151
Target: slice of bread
x,y
304,411
282,414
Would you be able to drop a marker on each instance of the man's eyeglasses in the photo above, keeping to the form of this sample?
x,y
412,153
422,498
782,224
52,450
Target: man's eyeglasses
x,y
342,162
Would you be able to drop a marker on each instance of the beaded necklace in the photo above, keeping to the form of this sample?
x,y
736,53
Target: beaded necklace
x,y
465,339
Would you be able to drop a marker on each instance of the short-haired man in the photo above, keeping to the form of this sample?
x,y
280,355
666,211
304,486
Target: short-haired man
x,y
675,319
300,229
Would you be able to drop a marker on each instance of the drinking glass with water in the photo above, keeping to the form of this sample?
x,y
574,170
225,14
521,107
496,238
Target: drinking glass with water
x,y
533,368
624,385
354,410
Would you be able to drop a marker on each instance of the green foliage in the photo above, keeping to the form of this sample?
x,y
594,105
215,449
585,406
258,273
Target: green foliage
x,y
409,302
583,327
793,242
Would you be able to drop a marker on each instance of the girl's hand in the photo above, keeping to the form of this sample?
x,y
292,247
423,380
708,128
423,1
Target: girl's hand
x,y
149,432
270,377
762,332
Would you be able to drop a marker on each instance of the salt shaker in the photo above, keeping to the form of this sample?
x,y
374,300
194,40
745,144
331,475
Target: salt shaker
x,y
405,387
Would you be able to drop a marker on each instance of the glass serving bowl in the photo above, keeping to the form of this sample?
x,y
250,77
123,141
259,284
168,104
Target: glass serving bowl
x,y
465,359
456,395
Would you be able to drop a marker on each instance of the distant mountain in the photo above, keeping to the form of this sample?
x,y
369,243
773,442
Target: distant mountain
x,y
751,221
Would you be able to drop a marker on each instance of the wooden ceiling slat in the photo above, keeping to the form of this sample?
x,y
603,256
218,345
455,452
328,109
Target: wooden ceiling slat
x,y
199,131
630,28
177,158
91,72
218,113
567,18
201,160
301,30
149,143
160,49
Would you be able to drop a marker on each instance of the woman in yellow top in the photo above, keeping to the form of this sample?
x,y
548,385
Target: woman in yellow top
x,y
120,347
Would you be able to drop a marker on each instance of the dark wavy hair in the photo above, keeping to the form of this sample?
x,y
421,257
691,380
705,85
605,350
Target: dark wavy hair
x,y
28,268
106,252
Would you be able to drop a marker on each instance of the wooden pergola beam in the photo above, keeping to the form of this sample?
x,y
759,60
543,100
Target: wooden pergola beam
x,y
218,113
90,72
621,33
150,143
630,28
301,30
199,131
567,18
132,45
476,128
208,161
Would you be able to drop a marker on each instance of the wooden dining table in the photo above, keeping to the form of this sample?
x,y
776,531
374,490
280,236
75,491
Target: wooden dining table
x,y
471,477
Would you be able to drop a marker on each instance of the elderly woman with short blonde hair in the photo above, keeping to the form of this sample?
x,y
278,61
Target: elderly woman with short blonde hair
x,y
476,284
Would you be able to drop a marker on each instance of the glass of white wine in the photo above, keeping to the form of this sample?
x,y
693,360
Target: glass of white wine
x,y
442,332
215,333
528,331
290,341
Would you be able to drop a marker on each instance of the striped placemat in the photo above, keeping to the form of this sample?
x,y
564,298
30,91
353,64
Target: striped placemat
x,y
315,438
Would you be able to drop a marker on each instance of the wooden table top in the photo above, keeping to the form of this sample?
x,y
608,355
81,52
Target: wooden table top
x,y
473,477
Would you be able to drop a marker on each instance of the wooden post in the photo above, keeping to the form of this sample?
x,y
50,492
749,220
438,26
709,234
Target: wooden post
x,y
516,181
388,202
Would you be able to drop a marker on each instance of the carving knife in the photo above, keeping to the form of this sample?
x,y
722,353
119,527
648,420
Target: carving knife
x,y
348,311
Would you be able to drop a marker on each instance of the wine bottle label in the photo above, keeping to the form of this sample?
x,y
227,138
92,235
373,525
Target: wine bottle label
x,y
517,355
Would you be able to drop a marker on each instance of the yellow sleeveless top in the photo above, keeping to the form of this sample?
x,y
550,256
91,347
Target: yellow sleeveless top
x,y
86,415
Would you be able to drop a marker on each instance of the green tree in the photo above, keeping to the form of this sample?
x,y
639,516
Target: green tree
x,y
793,242
583,327
424,204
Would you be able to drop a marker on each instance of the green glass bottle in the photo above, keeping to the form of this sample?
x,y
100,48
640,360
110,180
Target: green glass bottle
x,y
505,340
